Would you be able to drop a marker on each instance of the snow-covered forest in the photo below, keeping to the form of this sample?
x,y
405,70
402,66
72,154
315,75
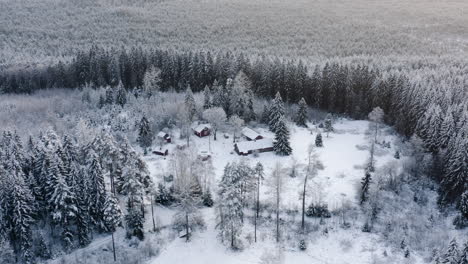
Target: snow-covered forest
x,y
258,131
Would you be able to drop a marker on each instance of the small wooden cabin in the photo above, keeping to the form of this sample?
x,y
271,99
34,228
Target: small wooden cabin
x,y
161,151
250,134
249,147
163,136
202,130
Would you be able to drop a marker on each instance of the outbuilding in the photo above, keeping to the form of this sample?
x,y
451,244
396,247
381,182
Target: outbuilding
x,y
256,146
250,134
163,136
161,152
202,130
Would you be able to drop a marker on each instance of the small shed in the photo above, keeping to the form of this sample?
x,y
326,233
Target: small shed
x,y
250,134
248,147
161,151
202,130
163,136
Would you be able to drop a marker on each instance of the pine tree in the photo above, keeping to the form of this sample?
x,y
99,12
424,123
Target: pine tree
x,y
328,124
365,183
21,217
134,218
207,200
454,181
230,208
101,102
96,189
63,210
318,140
145,135
281,144
451,256
265,118
109,96
276,112
464,255
207,98
190,105
301,116
112,214
121,97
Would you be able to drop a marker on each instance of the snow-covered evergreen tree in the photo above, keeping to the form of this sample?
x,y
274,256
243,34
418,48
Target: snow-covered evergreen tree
x,y
454,181
121,97
190,105
207,98
230,207
134,218
281,145
276,112
301,116
145,135
96,189
451,256
319,140
112,213
365,184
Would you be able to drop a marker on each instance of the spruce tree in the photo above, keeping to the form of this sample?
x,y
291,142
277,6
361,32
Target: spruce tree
x,y
464,254
318,140
96,189
190,105
301,116
134,218
365,183
101,102
451,256
207,98
276,112
121,97
109,96
112,214
454,181
265,118
281,145
145,135
230,207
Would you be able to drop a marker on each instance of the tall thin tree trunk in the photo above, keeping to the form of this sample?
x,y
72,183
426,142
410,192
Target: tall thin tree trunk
x,y
113,247
303,203
187,226
152,215
257,209
277,213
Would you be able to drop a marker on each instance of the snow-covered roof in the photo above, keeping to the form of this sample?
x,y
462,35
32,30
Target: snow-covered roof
x,y
162,134
199,128
247,132
246,146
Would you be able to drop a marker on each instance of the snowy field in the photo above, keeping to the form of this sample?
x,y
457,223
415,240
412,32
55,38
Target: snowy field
x,y
343,155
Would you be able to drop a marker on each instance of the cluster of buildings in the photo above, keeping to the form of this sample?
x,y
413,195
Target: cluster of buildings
x,y
253,143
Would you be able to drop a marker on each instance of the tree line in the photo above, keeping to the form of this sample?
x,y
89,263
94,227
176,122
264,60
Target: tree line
x,y
438,114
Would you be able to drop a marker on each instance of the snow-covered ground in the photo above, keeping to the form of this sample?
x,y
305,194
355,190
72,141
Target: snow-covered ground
x,y
344,153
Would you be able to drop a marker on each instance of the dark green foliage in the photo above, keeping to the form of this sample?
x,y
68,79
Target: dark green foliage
x,y
365,183
164,196
301,116
281,145
134,219
145,135
318,210
207,200
302,245
319,140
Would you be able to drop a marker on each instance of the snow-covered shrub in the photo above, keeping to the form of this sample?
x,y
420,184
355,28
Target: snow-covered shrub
x,y
318,210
